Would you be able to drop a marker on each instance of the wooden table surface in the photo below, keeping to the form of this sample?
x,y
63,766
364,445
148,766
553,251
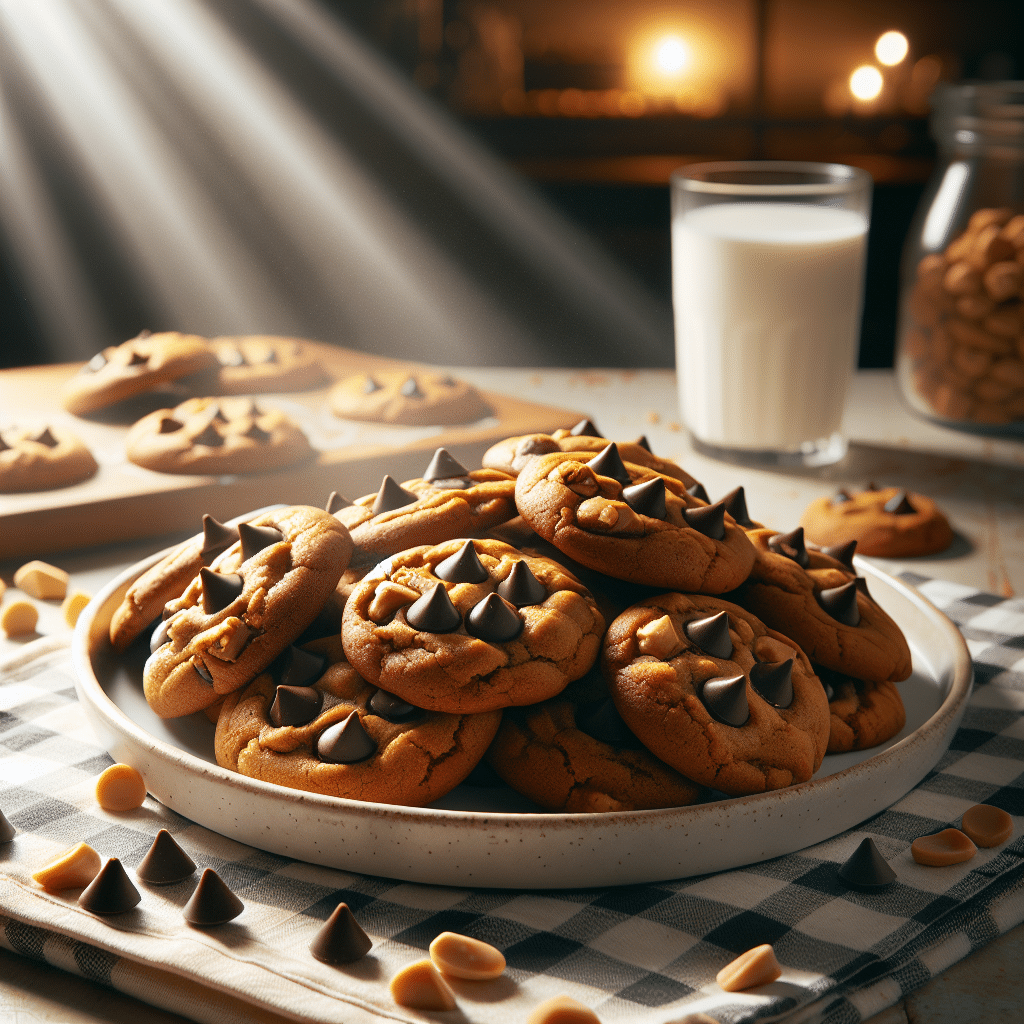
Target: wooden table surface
x,y
979,482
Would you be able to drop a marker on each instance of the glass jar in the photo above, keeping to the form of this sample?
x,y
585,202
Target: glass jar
x,y
960,346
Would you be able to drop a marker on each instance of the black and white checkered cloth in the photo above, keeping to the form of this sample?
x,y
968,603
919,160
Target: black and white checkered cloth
x,y
642,953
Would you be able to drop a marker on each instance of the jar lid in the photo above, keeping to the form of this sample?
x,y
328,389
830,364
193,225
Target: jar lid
x,y
979,113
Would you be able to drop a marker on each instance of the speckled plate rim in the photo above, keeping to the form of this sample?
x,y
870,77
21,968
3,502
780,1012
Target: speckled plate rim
x,y
531,851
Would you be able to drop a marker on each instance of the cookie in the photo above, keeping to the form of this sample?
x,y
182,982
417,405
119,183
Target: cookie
x,y
578,756
448,501
210,435
329,731
469,626
135,368
259,363
863,713
632,523
42,460
817,600
228,626
887,522
716,694
418,398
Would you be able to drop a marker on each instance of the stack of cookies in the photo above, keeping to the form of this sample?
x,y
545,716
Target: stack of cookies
x,y
575,613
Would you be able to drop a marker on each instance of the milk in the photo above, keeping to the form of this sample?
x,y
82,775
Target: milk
x,y
767,301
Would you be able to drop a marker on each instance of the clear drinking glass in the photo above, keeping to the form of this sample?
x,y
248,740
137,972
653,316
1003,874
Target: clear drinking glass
x,y
768,287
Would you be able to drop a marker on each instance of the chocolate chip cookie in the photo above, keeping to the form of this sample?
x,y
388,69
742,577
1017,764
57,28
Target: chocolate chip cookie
x,y
469,626
862,713
260,363
416,398
42,460
715,693
321,727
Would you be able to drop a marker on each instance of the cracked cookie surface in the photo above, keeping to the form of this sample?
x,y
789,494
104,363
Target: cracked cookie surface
x,y
416,398
604,523
531,638
412,756
42,460
701,711
258,363
862,713
235,618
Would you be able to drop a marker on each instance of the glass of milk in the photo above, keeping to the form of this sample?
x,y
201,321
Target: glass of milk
x,y
767,287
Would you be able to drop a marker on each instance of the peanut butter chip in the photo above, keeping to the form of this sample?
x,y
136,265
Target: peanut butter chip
x,y
658,638
120,788
757,966
950,846
562,1010
73,606
42,580
19,618
465,957
388,598
73,869
986,825
420,987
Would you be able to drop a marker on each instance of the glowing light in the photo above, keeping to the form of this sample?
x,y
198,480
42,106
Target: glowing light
x,y
891,48
866,82
671,56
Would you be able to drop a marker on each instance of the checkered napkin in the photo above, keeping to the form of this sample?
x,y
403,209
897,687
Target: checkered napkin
x,y
642,953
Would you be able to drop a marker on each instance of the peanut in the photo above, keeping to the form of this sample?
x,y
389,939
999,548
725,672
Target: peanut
x,y
420,987
463,957
388,598
120,788
659,638
962,279
1013,231
967,333
1003,280
972,362
1005,321
989,247
975,307
73,606
73,869
757,966
998,215
562,1010
42,580
19,618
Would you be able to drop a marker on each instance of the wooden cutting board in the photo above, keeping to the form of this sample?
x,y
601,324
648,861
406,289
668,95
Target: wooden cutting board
x,y
126,502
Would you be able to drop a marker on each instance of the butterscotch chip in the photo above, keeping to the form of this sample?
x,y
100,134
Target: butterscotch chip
x,y
950,846
73,606
421,987
73,869
19,618
562,1010
120,788
986,825
464,957
757,966
42,580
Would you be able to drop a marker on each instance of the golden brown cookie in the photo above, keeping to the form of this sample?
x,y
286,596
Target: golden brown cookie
x,y
863,713
414,398
259,363
230,625
42,460
816,599
889,522
469,626
715,693
327,730
211,435
135,368
632,523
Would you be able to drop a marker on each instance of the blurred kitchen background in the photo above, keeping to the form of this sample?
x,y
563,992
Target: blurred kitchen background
x,y
457,181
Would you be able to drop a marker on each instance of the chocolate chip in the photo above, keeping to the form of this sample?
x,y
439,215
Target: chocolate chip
x,y
216,538
603,722
726,700
410,388
218,415
138,359
212,902
829,680
271,356
391,496
159,636
711,634
168,425
585,429
841,603
647,498
255,538
295,705
219,589
462,567
201,670
791,545
842,552
45,436
231,357
520,587
448,381
773,680
208,436
866,869
872,486
393,708
434,612
699,491
111,891
899,505
345,742
443,466
840,497
297,667
862,586
495,620
370,385
144,333
340,940
97,363
166,862
735,503
7,830
4,446
608,462
643,442
707,519
336,502
256,433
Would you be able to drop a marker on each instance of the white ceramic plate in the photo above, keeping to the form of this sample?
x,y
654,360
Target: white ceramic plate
x,y
491,837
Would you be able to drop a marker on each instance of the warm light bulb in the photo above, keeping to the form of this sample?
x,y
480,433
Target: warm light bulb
x,y
671,55
891,48
866,82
